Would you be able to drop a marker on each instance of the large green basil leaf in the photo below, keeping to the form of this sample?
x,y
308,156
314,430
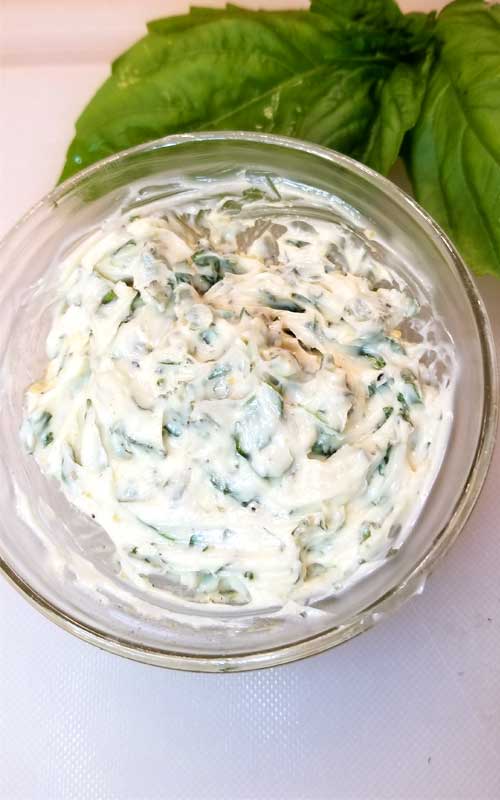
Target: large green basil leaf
x,y
454,151
318,76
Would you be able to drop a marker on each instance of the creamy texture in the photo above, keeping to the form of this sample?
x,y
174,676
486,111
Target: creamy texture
x,y
231,396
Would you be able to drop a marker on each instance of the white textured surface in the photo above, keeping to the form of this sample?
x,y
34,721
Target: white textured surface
x,y
410,710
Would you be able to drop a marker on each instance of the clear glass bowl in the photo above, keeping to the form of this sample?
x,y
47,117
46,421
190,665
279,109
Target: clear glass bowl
x,y
57,558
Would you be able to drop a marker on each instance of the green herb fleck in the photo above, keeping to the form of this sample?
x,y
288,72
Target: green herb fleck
x,y
326,444
251,194
108,297
174,425
405,410
47,439
239,448
211,267
137,302
220,484
385,460
369,351
209,336
410,391
365,534
197,540
219,371
231,205
281,303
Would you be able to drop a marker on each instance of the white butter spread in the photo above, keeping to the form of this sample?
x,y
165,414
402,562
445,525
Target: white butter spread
x,y
232,396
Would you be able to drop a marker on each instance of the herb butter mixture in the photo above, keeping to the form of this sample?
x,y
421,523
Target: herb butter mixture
x,y
230,395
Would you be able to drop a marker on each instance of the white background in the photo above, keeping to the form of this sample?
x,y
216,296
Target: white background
x,y
410,710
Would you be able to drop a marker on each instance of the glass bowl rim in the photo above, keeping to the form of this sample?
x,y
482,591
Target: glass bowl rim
x,y
413,581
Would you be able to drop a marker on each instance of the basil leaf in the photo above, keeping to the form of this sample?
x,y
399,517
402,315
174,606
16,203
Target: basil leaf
x,y
400,103
382,27
318,76
454,151
379,26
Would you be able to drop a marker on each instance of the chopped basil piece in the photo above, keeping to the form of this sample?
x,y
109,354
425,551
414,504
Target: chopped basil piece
x,y
109,297
405,411
365,534
281,303
385,460
252,194
47,439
